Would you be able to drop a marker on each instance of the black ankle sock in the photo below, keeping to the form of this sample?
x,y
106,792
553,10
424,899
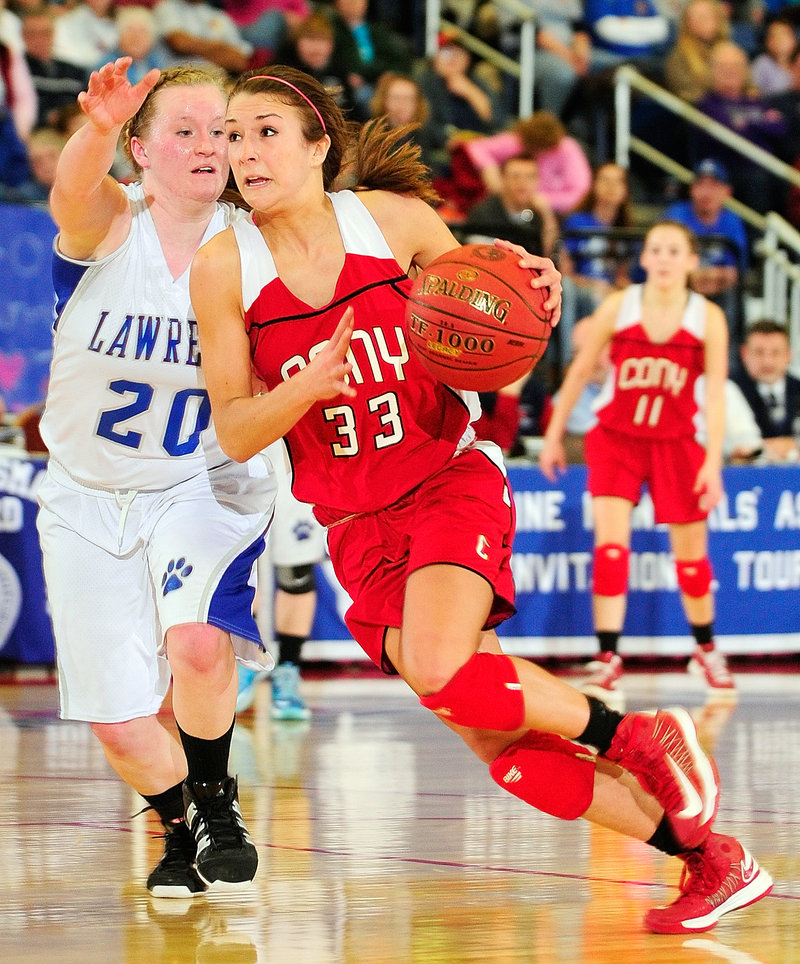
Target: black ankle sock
x,y
602,725
664,840
704,635
207,759
289,648
168,804
608,641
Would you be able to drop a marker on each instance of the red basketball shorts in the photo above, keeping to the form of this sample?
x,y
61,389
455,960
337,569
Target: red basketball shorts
x,y
620,464
463,515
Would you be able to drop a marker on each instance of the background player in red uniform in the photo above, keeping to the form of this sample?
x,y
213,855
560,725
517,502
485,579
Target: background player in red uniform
x,y
312,294
660,421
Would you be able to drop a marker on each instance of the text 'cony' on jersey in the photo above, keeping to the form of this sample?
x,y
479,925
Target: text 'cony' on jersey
x,y
656,389
363,453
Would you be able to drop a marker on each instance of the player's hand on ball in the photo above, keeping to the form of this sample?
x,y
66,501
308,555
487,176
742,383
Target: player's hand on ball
x,y
330,370
548,277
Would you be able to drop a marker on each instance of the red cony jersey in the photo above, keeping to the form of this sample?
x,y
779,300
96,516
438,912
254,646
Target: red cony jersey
x,y
353,454
655,390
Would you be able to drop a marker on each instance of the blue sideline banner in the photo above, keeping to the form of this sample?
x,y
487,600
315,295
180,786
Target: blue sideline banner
x,y
26,308
754,543
754,548
25,632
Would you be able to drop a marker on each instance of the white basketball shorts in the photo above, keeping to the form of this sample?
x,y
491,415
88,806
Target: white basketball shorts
x,y
295,536
123,567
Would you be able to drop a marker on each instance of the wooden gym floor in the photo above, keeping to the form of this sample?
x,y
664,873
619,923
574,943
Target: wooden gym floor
x,y
381,839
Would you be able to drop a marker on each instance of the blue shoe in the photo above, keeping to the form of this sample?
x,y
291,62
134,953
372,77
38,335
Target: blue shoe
x,y
247,687
287,703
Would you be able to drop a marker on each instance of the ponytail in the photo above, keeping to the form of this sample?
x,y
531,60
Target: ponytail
x,y
381,159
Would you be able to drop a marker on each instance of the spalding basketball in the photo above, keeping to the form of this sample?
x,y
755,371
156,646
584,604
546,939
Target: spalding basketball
x,y
474,320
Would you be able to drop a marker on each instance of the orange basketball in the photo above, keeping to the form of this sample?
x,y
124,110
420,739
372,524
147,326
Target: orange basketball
x,y
474,320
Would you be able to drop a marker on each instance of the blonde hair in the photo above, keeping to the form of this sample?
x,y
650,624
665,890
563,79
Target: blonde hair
x,y
188,75
135,16
687,71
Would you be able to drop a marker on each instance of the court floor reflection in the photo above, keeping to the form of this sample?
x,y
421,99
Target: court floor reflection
x,y
381,839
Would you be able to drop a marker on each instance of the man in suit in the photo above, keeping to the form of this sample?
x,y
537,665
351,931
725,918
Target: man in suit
x,y
772,393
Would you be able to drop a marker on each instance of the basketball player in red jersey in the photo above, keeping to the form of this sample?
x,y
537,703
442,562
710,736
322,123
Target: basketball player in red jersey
x,y
660,421
310,295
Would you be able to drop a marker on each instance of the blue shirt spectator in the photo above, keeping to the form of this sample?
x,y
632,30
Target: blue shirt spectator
x,y
705,214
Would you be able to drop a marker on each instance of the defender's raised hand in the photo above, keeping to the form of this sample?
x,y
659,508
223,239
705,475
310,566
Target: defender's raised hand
x,y
110,99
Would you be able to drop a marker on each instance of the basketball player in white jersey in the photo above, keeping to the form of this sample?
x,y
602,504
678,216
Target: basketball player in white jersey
x,y
150,533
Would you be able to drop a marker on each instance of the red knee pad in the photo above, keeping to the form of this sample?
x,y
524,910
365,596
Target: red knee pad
x,y
610,569
548,772
485,694
694,577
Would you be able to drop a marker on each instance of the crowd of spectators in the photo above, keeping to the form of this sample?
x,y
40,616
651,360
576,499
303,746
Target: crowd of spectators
x,y
545,180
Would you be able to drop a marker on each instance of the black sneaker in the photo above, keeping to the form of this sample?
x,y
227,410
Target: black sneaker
x,y
225,852
174,875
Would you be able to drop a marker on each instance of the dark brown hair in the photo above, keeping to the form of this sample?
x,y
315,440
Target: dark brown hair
x,y
370,158
765,326
624,215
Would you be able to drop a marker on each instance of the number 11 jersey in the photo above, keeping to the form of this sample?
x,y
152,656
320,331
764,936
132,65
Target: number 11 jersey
x,y
655,389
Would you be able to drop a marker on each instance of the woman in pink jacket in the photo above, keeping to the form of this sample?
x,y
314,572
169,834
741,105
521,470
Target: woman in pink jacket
x,y
565,174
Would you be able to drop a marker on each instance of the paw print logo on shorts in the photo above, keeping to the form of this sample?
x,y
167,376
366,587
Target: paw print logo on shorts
x,y
302,531
177,571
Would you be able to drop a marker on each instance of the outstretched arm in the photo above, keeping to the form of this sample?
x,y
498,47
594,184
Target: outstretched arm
x,y
85,200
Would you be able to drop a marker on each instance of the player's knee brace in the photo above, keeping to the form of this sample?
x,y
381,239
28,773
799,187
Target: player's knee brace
x,y
694,578
485,694
548,772
295,580
610,569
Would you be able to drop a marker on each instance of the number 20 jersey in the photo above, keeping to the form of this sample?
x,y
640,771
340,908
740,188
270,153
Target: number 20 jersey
x,y
363,453
126,406
655,390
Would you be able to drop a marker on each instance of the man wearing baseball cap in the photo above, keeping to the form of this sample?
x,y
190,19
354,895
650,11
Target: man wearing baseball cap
x,y
722,264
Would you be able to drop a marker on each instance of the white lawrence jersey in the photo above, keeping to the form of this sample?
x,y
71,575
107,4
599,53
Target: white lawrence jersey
x,y
127,406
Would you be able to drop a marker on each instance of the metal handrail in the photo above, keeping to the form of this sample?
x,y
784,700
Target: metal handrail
x,y
780,242
627,77
524,71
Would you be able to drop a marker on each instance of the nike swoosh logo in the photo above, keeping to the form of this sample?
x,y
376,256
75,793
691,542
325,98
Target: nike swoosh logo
x,y
748,869
693,804
703,766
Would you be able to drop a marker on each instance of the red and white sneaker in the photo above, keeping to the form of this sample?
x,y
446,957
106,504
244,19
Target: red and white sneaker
x,y
604,673
719,877
662,751
711,665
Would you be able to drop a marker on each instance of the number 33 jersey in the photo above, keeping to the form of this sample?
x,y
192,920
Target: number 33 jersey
x,y
126,405
363,453
656,389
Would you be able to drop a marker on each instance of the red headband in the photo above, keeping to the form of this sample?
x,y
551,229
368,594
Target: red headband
x,y
297,90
